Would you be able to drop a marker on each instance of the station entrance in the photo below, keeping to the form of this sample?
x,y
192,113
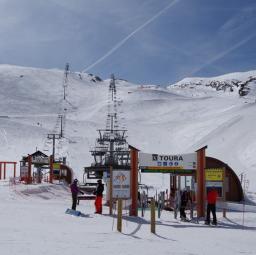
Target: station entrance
x,y
192,165
39,167
203,172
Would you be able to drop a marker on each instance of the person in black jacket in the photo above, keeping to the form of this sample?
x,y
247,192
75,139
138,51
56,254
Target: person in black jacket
x,y
185,198
99,194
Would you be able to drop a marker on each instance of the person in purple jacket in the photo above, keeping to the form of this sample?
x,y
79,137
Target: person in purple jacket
x,y
75,190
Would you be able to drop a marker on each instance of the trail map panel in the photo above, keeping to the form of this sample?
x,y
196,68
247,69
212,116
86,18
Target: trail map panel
x,y
121,184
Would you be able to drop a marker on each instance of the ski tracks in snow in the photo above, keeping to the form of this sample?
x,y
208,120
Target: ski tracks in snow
x,y
219,129
3,135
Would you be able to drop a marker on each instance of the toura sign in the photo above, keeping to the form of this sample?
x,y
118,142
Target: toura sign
x,y
167,163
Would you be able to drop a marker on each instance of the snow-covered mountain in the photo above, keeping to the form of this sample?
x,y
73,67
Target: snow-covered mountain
x,y
236,83
178,119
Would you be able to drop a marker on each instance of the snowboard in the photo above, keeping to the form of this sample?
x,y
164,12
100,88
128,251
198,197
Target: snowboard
x,y
73,212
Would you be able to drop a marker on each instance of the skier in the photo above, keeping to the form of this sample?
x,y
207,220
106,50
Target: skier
x,y
75,190
98,201
211,206
185,198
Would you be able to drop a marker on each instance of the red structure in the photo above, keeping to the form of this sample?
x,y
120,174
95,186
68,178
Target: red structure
x,y
4,164
51,169
39,160
200,178
134,180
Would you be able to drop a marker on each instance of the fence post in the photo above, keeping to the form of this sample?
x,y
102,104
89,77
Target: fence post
x,y
111,191
153,216
14,170
4,171
51,169
224,192
119,215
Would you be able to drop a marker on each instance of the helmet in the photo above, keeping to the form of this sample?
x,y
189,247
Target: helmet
x,y
75,180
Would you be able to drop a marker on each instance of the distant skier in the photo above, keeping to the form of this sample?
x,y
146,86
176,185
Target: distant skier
x,y
75,190
211,206
99,194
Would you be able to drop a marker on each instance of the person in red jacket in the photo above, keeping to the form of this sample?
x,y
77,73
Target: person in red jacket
x,y
211,206
99,194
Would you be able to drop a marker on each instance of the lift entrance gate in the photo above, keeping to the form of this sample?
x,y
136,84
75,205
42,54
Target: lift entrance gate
x,y
179,164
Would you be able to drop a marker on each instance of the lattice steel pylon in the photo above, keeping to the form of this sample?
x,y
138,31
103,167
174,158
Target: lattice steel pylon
x,y
111,145
59,128
65,81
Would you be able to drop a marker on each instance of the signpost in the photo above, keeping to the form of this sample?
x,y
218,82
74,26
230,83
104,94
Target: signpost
x,y
120,186
119,215
153,216
111,191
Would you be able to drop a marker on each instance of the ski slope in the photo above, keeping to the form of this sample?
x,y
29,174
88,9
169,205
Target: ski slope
x,y
175,119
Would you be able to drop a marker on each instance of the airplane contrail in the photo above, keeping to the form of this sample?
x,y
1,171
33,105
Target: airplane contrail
x,y
122,42
222,54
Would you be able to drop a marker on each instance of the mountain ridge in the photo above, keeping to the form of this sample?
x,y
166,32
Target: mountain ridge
x,y
159,120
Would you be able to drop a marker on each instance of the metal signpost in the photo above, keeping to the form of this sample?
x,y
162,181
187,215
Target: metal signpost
x,y
121,189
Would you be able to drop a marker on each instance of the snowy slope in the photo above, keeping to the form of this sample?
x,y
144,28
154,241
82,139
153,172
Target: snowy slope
x,y
177,119
33,222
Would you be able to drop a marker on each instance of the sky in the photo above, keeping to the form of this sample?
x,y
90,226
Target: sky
x,y
143,41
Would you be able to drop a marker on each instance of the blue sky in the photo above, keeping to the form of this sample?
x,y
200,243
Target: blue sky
x,y
167,40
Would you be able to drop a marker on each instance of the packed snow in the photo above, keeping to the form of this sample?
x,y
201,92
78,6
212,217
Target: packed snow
x,y
33,221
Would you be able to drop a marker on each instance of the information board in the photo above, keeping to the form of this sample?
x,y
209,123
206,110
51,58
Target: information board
x,y
40,160
214,174
23,171
121,184
214,177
